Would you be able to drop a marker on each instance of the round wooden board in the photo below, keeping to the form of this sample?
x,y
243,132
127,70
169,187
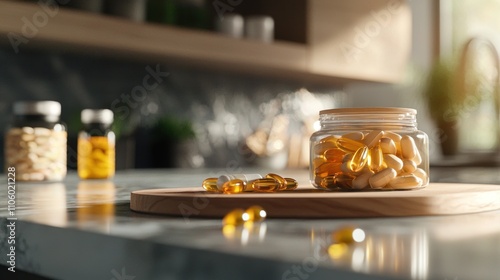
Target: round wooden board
x,y
436,199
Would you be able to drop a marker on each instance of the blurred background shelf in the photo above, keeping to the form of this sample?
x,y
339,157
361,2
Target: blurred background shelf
x,y
326,51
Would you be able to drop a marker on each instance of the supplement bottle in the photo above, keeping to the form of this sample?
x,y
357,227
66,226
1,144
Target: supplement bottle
x,y
96,145
35,142
368,149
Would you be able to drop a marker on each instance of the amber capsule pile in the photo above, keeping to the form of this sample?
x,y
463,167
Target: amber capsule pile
x,y
370,160
268,184
96,157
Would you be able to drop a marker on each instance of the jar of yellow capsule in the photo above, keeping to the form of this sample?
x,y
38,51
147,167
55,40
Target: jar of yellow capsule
x,y
366,149
96,145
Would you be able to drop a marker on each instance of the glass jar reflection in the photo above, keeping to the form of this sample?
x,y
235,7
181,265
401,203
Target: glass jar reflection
x,y
95,203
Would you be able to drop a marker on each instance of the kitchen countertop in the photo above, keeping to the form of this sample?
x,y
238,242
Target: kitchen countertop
x,y
85,230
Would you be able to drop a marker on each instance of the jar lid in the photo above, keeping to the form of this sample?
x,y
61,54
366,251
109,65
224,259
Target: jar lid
x,y
370,110
104,116
49,108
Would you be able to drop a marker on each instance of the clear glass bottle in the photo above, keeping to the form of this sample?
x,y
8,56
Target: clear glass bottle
x,y
36,142
366,149
96,145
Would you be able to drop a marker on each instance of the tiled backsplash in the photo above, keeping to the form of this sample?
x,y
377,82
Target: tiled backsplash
x,y
223,108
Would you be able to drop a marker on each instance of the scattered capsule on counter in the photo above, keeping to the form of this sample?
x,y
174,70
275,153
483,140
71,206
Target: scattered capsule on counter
x,y
348,235
242,224
337,250
238,217
234,218
342,239
255,214
368,160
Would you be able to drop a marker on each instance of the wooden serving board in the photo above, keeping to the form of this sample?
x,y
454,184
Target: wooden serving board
x,y
436,199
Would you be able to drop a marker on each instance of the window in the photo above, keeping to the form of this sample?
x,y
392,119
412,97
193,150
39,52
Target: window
x,y
473,27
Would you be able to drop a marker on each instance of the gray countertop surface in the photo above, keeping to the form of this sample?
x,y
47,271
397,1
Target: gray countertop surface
x,y
80,229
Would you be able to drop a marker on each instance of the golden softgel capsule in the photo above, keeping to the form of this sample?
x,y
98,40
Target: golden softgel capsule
x,y
233,186
279,179
210,185
264,185
291,184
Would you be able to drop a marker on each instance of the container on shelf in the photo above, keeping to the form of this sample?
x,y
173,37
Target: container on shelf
x,y
134,10
93,6
366,149
96,145
36,142
260,28
232,25
161,11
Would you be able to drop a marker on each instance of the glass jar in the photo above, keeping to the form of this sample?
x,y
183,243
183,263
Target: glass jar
x,y
365,149
35,142
96,145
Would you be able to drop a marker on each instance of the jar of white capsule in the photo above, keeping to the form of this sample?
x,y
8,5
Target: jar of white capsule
x,y
35,142
367,149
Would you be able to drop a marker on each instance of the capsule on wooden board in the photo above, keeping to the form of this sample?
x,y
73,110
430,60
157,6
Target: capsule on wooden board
x,y
210,185
244,177
291,184
263,185
279,179
233,186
